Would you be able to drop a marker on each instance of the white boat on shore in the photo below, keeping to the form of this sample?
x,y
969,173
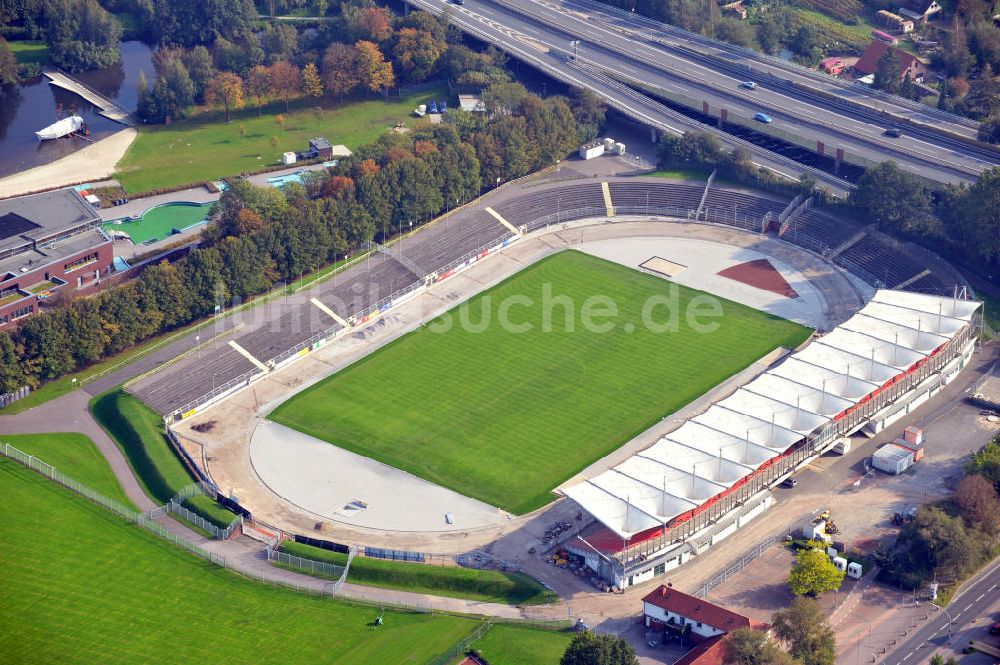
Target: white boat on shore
x,y
61,128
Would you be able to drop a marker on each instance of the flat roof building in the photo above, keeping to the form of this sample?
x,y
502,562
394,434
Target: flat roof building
x,y
49,242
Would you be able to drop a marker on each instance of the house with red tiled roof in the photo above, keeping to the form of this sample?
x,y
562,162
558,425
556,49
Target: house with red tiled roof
x,y
670,613
908,63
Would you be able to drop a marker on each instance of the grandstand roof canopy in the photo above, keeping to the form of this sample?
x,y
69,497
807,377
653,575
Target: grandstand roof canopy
x,y
764,418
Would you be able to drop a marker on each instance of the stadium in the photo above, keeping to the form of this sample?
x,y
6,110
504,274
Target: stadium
x,y
664,445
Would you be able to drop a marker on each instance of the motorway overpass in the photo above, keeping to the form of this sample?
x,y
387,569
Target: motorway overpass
x,y
658,62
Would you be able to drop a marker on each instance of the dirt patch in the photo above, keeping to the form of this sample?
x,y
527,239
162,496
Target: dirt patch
x,y
760,274
663,266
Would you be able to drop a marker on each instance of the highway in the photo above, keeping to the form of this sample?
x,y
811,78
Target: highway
x,y
640,107
972,604
748,60
652,60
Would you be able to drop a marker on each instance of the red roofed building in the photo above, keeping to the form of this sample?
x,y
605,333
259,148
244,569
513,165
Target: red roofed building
x,y
908,64
705,624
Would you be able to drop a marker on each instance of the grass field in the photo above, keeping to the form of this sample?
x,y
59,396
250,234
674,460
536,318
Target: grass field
x,y
486,585
138,431
75,455
508,645
27,52
506,417
82,586
206,147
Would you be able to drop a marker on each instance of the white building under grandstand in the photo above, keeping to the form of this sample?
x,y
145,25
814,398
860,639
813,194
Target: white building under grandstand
x,y
701,482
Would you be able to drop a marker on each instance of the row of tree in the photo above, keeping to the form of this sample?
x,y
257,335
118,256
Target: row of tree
x,y
964,218
261,235
280,66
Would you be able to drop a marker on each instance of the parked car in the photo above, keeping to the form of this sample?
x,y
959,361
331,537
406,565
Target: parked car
x,y
459,2
749,85
789,482
762,117
434,107
893,132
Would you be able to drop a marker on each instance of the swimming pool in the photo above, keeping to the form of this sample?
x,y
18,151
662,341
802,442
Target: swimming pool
x,y
161,221
282,180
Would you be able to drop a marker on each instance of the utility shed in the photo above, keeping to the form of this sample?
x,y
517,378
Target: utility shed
x,y
892,459
320,147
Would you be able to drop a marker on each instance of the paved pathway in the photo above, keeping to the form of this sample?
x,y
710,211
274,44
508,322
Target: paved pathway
x,y
69,414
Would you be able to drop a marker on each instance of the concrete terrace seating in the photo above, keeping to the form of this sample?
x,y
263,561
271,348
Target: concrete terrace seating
x,y
559,201
931,284
637,197
817,231
883,262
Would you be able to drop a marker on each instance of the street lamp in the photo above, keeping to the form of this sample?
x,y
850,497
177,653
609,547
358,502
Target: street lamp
x,y
575,43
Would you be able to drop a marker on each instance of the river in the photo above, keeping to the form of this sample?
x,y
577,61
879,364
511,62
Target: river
x,y
26,108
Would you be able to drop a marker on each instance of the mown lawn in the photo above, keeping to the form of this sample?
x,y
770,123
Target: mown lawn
x,y
505,416
206,147
138,431
27,51
81,585
507,645
486,585
76,456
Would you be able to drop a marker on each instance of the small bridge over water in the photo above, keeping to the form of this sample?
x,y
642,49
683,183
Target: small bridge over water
x,y
107,107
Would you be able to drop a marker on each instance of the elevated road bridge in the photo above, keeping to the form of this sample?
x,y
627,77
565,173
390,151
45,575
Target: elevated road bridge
x,y
674,70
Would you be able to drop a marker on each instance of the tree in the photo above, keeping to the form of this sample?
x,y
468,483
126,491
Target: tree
x,y
893,199
371,23
938,542
12,374
887,72
225,90
312,85
416,53
259,86
243,132
8,64
586,648
989,130
286,80
987,462
804,627
280,42
589,111
814,573
746,646
971,216
373,71
340,69
976,498
201,70
82,35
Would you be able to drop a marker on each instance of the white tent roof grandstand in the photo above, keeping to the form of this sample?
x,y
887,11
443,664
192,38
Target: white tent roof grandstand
x,y
768,415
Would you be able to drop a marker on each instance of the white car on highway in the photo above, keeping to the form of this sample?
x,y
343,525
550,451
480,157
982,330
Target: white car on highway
x,y
749,85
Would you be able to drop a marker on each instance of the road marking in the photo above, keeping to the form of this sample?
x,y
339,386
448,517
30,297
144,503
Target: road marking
x,y
246,354
607,199
967,607
497,216
981,596
907,656
329,312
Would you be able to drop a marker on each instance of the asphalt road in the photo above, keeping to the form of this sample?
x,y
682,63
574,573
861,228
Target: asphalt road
x,y
973,602
652,59
759,63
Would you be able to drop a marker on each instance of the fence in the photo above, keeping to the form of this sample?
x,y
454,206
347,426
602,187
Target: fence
x,y
738,565
312,567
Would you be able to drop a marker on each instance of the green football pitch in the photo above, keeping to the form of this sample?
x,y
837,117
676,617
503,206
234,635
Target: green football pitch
x,y
505,414
81,585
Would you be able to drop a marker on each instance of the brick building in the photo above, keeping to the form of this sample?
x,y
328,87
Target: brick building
x,y
50,243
